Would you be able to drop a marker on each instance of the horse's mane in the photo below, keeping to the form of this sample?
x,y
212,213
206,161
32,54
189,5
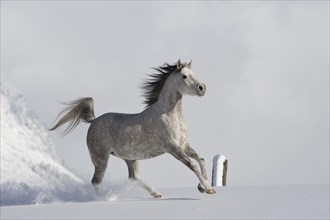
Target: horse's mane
x,y
153,86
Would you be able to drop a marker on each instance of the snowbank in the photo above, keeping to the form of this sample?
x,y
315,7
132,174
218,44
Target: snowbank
x,y
30,170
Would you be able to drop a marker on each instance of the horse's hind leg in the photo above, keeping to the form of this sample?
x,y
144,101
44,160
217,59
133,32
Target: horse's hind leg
x,y
133,169
100,165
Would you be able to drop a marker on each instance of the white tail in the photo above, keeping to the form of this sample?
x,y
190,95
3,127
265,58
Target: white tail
x,y
78,110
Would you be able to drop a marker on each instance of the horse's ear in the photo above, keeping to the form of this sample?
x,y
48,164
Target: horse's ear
x,y
189,64
178,64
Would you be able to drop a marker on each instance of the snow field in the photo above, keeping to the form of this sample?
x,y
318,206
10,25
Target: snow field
x,y
249,202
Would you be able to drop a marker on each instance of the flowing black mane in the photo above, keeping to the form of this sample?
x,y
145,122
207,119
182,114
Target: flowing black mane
x,y
152,87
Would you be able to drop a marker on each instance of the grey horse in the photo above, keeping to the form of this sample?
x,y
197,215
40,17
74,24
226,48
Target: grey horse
x,y
159,129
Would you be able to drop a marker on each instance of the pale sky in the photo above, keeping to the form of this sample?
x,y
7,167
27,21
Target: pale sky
x,y
265,65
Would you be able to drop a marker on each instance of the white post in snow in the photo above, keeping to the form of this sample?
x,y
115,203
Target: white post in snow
x,y
219,171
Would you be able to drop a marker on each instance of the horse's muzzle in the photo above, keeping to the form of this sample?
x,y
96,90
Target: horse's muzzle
x,y
201,89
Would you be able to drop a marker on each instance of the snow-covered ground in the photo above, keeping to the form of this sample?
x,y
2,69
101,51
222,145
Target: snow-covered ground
x,y
36,185
262,202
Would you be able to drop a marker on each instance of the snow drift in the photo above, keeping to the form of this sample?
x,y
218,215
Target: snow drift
x,y
30,169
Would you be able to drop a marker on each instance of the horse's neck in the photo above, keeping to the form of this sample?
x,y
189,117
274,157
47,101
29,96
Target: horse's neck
x,y
171,105
169,102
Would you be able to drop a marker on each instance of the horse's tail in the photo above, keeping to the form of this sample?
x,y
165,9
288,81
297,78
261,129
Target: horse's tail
x,y
76,111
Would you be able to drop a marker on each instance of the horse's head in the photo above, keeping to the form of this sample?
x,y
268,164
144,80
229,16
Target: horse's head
x,y
186,80
175,78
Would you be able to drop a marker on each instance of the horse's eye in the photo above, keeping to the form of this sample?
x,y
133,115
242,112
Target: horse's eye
x,y
184,77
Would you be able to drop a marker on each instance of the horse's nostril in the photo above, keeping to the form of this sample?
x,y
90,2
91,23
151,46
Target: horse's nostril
x,y
201,88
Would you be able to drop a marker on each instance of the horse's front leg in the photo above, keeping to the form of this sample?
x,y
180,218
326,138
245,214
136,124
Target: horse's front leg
x,y
190,152
178,154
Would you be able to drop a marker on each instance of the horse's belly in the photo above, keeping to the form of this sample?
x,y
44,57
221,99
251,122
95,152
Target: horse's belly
x,y
137,152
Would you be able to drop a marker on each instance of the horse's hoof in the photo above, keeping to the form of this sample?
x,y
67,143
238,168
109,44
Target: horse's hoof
x,y
201,189
210,191
157,196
